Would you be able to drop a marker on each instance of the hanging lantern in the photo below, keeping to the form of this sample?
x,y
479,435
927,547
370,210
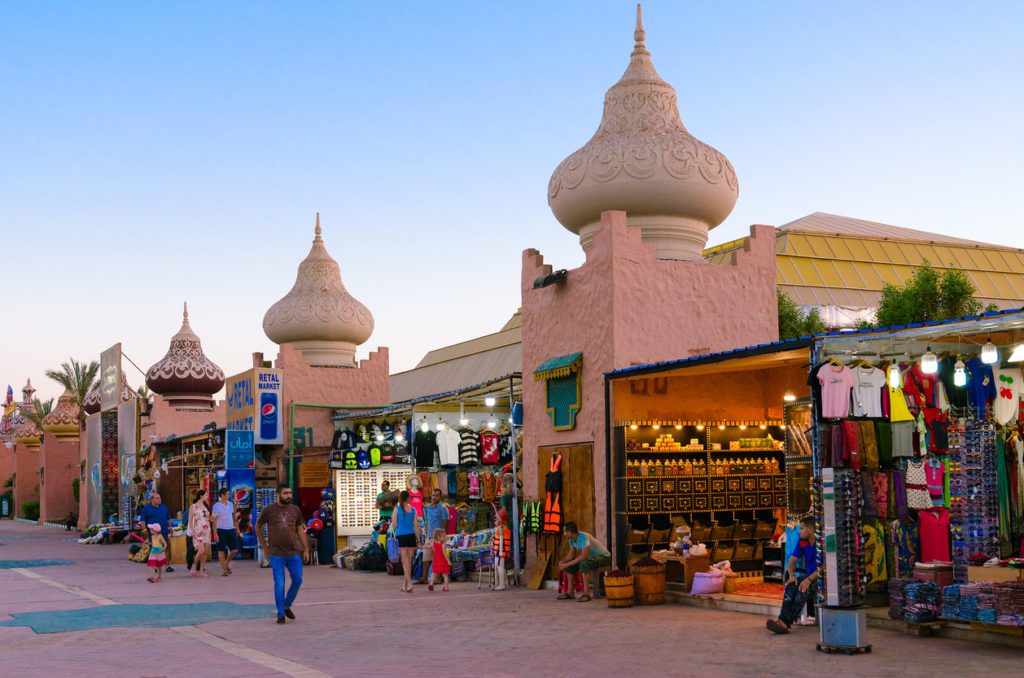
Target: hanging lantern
x,y
959,373
929,362
989,353
894,376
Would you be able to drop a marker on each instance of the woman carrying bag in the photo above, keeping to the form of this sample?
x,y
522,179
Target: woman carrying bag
x,y
403,524
199,530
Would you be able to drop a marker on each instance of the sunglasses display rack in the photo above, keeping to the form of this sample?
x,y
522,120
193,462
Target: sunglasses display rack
x,y
843,582
974,493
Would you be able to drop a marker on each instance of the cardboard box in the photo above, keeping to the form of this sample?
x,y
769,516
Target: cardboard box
x,y
996,574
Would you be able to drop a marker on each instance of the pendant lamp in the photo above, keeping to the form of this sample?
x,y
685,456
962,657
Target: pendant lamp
x,y
789,396
424,426
894,376
489,400
959,372
989,353
929,362
1017,355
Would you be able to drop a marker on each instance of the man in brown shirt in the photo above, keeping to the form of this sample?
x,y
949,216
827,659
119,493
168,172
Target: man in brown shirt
x,y
287,534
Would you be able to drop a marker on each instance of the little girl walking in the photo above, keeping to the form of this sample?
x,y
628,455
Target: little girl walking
x,y
442,562
157,552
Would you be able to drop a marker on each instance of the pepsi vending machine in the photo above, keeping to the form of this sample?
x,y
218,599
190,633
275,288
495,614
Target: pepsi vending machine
x,y
240,462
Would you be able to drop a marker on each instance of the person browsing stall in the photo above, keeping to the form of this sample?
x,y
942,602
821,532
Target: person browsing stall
x,y
801,579
586,555
156,512
226,542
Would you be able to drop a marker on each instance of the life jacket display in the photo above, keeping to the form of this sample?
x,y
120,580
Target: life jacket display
x,y
531,515
552,523
501,546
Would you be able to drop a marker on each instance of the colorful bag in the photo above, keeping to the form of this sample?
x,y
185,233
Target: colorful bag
x,y
394,554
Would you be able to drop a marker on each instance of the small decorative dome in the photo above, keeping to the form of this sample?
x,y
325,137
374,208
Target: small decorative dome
x,y
318,315
27,434
62,421
91,404
185,377
15,421
642,160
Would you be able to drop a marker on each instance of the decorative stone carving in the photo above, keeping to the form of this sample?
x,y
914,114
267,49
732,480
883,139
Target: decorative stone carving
x,y
643,160
318,315
62,421
185,377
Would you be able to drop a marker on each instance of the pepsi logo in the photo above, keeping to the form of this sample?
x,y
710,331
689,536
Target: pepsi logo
x,y
242,495
269,409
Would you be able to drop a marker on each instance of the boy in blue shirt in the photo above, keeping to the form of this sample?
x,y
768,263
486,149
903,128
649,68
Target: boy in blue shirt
x,y
799,587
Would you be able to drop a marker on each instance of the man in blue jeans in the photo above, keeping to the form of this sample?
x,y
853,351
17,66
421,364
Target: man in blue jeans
x,y
287,535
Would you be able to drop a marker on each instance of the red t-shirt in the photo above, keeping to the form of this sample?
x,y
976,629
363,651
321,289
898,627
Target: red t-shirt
x,y
934,525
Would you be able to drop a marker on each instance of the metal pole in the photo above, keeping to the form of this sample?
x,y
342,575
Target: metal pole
x,y
515,474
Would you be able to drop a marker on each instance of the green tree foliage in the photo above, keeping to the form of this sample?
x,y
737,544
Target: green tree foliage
x,y
79,379
795,323
928,296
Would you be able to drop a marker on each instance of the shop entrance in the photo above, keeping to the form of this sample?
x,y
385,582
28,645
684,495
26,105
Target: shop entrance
x,y
577,495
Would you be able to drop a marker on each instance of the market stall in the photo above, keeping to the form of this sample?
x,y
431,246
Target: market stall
x,y
917,450
716,445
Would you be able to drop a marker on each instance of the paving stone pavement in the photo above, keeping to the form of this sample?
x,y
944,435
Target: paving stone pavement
x,y
355,624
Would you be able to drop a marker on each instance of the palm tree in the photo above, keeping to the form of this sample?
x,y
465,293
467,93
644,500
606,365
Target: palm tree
x,y
79,379
41,409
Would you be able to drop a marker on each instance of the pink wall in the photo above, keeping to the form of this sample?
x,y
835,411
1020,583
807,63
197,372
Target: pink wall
x,y
368,384
164,420
6,464
624,307
26,484
60,461
83,494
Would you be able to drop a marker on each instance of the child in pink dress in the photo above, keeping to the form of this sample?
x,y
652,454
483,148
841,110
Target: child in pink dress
x,y
442,564
157,553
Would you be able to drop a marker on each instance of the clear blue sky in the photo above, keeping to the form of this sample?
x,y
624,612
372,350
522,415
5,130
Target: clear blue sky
x,y
157,152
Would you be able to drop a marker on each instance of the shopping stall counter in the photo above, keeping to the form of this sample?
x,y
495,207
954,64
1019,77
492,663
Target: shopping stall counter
x,y
680,568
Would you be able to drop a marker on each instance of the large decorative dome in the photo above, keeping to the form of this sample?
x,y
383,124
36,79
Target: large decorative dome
x,y
91,404
185,377
318,315
62,421
642,160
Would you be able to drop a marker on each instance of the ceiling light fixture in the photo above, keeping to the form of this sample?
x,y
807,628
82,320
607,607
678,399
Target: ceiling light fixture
x,y
700,427
763,426
959,372
424,426
929,362
632,427
463,421
989,353
721,427
789,396
489,400
440,426
1017,355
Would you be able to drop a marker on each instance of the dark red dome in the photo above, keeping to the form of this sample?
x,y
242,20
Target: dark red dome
x,y
185,377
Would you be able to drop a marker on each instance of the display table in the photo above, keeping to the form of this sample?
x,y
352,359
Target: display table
x,y
680,569
996,574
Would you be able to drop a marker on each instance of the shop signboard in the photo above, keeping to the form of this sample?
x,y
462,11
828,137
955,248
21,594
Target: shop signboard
x,y
239,450
110,378
255,403
314,474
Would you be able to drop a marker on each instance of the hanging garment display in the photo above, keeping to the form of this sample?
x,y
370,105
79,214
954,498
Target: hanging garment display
x,y
489,443
836,381
934,527
448,440
868,445
981,386
874,555
552,522
935,474
917,485
1006,406
867,391
903,438
469,447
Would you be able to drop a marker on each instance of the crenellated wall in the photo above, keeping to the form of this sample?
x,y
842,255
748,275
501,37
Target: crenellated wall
x,y
625,307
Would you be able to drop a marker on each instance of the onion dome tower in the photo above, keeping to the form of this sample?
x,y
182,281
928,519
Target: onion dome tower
x,y
318,315
91,404
62,421
27,434
185,377
642,160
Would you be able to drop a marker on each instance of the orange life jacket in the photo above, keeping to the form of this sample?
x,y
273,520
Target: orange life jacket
x,y
552,523
501,546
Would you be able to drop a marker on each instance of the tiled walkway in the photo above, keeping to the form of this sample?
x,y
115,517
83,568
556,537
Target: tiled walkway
x,y
352,624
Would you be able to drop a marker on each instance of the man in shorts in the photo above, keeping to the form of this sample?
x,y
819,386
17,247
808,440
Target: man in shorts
x,y
435,515
225,537
586,555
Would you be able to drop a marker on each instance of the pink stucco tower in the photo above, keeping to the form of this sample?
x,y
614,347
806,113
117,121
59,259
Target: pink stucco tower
x,y
642,195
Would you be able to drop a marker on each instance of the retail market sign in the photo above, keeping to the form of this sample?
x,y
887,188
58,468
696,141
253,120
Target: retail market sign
x,y
254,404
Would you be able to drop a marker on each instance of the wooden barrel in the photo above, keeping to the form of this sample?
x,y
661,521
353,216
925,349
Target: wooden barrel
x,y
619,591
649,584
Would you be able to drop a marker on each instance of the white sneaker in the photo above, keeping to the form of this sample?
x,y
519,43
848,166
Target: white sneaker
x,y
501,588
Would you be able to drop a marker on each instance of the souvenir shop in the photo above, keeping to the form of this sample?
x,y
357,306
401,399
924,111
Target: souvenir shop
x,y
918,455
718,446
462,442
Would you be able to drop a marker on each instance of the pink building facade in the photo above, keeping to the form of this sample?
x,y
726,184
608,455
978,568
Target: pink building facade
x,y
26,472
626,307
58,469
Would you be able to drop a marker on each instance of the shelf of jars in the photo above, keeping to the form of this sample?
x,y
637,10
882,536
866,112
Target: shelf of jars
x,y
736,472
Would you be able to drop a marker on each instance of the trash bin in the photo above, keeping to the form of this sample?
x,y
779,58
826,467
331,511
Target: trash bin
x,y
5,506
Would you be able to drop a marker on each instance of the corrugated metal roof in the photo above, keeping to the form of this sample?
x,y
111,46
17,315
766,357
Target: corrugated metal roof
x,y
469,362
828,260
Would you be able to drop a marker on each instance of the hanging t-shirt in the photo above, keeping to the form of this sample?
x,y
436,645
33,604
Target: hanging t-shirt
x,y
956,395
898,410
981,385
934,527
867,391
425,444
919,387
469,446
903,438
448,446
938,429
489,447
1006,406
836,382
